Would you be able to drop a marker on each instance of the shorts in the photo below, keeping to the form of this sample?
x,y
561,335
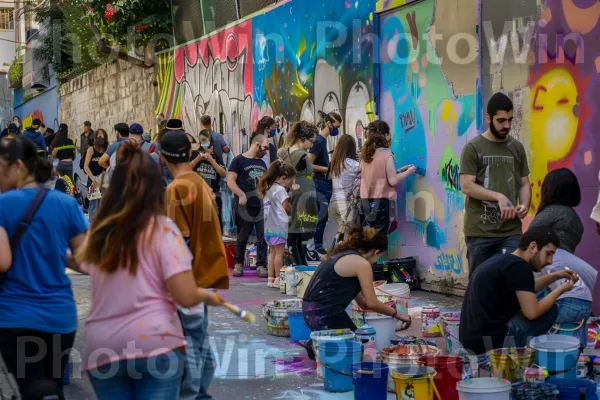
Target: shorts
x,y
274,240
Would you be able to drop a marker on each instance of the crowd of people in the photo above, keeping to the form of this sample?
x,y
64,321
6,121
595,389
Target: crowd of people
x,y
153,242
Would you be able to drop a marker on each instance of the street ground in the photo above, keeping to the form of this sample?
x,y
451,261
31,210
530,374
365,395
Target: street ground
x,y
251,364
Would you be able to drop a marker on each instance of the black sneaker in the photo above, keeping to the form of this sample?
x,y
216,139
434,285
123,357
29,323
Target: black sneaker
x,y
322,251
313,256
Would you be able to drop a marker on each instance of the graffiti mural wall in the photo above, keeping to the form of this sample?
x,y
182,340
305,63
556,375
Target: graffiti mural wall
x,y
430,125
547,58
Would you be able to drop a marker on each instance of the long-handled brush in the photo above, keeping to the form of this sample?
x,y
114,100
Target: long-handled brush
x,y
243,314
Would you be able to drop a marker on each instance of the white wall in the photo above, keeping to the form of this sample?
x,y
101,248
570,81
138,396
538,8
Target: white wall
x,y
7,49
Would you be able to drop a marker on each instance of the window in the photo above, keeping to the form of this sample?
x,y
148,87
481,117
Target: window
x,y
6,19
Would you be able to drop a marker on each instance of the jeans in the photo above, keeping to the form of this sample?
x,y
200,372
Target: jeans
x,y
324,189
521,329
378,214
571,313
93,209
246,220
200,363
20,359
479,249
157,378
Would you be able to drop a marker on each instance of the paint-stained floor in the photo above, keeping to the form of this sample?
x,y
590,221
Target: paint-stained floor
x,y
251,364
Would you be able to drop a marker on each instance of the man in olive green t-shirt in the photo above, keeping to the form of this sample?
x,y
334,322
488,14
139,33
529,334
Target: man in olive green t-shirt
x,y
494,177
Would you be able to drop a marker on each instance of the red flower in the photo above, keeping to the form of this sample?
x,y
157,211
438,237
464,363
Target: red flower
x,y
110,12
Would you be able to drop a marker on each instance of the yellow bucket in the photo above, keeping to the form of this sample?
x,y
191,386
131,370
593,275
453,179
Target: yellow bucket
x,y
511,363
415,382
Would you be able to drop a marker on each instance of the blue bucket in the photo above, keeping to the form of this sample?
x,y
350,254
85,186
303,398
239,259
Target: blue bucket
x,y
298,328
370,381
558,354
337,358
574,388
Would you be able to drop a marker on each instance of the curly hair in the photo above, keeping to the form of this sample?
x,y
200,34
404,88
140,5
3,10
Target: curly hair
x,y
376,138
302,130
362,240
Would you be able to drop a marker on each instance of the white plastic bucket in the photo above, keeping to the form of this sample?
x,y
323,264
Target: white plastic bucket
x,y
394,289
385,327
484,389
450,329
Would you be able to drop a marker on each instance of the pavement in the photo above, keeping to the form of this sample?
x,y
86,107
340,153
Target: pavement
x,y
251,364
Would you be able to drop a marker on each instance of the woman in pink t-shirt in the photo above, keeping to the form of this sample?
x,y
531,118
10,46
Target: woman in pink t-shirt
x,y
379,178
140,267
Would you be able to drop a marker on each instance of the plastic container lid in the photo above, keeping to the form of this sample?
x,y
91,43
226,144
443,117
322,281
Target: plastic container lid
x,y
304,268
484,385
555,343
366,330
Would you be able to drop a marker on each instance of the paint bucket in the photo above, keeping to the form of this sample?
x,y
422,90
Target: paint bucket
x,y
282,288
230,253
398,357
298,328
511,363
291,281
450,329
484,389
576,389
432,323
332,335
367,336
578,330
384,325
449,372
337,358
558,354
370,380
275,313
415,382
394,289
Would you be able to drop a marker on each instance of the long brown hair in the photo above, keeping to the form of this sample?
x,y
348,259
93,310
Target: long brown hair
x,y
328,118
362,240
376,138
128,212
276,170
302,130
344,149
106,143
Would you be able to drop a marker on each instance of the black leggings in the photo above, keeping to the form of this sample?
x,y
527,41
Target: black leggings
x,y
32,356
297,243
318,320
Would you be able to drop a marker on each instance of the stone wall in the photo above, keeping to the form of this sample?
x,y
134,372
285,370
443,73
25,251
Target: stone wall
x,y
107,95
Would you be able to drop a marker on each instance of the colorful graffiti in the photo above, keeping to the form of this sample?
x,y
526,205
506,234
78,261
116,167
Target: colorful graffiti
x,y
430,126
28,119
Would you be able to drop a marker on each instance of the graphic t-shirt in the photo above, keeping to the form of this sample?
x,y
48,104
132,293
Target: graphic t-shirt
x,y
491,301
249,171
65,147
208,172
191,204
319,150
135,316
497,166
276,219
36,293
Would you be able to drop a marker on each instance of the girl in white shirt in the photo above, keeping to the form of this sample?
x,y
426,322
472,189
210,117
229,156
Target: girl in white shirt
x,y
344,170
273,189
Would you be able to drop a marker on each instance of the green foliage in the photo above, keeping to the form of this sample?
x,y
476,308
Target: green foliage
x,y
130,23
15,73
66,39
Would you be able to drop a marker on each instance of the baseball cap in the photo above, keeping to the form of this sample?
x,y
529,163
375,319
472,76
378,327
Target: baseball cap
x,y
175,125
13,127
136,129
175,147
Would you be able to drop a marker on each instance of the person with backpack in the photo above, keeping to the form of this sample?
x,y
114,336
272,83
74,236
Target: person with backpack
x,y
33,134
63,149
37,226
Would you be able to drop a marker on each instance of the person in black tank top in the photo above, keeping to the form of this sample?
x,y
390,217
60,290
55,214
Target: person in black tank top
x,y
346,275
94,170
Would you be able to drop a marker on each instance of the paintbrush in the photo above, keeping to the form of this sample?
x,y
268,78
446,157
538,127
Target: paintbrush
x,y
243,314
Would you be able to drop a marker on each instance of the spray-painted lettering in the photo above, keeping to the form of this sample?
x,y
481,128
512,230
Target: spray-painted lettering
x,y
408,120
450,262
451,175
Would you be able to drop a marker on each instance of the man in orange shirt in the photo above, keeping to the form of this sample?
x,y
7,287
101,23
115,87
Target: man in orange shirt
x,y
190,203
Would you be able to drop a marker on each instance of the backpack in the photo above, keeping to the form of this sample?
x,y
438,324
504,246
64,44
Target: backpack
x,y
107,175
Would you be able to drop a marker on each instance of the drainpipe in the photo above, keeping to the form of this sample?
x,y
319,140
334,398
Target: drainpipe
x,y
479,71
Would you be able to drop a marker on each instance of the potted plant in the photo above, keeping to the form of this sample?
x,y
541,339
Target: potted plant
x,y
15,74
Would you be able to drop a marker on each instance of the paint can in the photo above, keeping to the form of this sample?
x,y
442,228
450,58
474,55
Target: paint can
x,y
367,336
291,281
432,323
450,328
282,288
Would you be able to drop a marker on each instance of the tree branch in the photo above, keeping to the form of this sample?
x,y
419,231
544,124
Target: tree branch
x,y
146,62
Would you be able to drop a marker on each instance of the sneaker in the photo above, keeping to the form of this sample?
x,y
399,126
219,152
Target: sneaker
x,y
238,270
322,251
313,256
262,272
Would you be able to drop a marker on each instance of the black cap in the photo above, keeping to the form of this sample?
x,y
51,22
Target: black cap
x,y
36,122
175,147
175,125
13,127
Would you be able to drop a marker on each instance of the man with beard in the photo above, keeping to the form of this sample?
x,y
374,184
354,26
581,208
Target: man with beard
x,y
494,177
500,301
245,171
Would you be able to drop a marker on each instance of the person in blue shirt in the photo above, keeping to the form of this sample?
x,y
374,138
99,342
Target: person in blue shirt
x,y
122,130
38,317
219,143
33,134
319,155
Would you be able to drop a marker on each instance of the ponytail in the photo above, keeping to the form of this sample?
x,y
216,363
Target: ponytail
x,y
362,240
276,170
328,118
264,123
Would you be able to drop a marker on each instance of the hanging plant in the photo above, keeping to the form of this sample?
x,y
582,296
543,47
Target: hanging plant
x,y
15,74
130,23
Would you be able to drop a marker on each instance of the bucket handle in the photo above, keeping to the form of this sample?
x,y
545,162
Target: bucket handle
x,y
334,370
558,328
434,388
265,312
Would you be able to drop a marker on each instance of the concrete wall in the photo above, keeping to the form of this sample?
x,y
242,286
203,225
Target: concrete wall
x,y
547,58
7,49
6,109
107,95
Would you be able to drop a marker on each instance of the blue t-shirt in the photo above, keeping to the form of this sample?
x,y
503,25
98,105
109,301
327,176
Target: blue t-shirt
x,y
112,149
319,150
37,293
218,143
